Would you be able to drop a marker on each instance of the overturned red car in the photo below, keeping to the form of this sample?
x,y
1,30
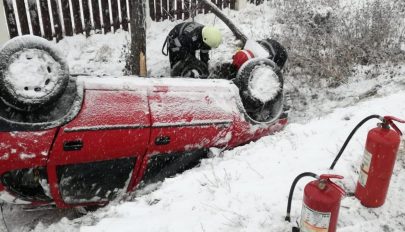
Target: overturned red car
x,y
81,141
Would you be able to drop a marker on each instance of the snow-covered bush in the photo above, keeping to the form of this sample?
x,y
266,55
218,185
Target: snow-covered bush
x,y
327,38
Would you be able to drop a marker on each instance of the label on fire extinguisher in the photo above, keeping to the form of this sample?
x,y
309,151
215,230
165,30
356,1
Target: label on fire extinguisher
x,y
314,221
365,168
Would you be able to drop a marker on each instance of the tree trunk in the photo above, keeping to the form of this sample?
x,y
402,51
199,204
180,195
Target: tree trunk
x,y
239,34
136,62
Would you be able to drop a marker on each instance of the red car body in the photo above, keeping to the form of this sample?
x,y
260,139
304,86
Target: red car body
x,y
119,134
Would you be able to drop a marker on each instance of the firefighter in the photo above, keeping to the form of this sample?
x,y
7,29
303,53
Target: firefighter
x,y
186,38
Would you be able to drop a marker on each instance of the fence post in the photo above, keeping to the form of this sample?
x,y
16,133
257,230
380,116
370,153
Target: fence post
x,y
34,17
137,58
240,4
4,35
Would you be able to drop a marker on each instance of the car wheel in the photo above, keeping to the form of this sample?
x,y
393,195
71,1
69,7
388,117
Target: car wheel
x,y
225,71
190,67
260,84
33,73
276,51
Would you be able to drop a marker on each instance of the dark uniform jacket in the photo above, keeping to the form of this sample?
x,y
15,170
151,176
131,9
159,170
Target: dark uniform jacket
x,y
187,38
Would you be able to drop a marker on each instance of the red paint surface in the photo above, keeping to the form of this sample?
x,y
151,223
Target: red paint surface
x,y
20,150
107,109
383,146
325,200
118,124
241,57
244,131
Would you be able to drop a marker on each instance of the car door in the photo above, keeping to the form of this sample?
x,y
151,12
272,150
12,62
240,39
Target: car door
x,y
96,154
23,158
186,121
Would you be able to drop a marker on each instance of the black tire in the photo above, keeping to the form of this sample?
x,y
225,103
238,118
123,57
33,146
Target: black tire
x,y
35,57
225,71
255,107
190,67
277,52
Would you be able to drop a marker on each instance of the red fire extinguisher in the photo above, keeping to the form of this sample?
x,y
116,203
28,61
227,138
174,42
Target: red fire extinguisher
x,y
378,160
321,203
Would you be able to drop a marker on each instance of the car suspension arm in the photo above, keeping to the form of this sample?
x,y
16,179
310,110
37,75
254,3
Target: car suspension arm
x,y
238,33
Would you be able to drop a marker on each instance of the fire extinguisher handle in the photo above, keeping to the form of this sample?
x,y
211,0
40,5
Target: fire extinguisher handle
x,y
327,178
390,120
392,124
330,176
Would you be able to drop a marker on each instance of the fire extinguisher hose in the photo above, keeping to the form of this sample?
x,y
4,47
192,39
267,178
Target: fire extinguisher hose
x,y
351,135
287,217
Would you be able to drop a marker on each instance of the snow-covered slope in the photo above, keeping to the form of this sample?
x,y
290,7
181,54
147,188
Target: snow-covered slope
x,y
246,189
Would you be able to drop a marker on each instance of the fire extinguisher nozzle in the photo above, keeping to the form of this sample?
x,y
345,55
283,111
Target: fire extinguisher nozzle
x,y
350,137
290,195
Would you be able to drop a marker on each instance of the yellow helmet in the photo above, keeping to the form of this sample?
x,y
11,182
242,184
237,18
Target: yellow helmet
x,y
211,36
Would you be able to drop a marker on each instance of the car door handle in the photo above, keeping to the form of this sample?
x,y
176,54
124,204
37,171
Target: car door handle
x,y
76,145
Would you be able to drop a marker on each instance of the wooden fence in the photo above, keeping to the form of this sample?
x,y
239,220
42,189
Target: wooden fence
x,y
182,9
58,18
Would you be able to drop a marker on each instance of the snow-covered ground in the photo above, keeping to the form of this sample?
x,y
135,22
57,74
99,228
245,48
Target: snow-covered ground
x,y
244,189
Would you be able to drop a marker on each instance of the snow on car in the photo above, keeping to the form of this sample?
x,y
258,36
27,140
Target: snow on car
x,y
81,141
